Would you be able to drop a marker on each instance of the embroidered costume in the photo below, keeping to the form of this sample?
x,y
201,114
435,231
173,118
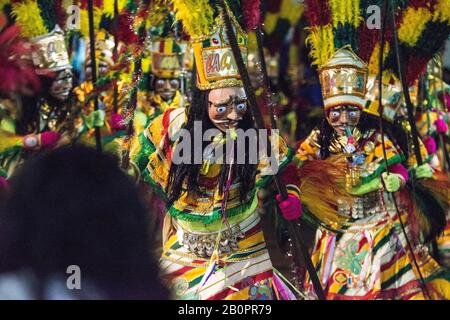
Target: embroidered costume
x,y
360,251
214,247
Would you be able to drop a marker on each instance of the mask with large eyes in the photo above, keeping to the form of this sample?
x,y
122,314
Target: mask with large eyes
x,y
62,85
167,88
102,66
240,106
227,107
342,118
104,45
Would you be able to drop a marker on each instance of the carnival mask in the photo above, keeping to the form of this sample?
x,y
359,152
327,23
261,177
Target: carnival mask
x,y
227,106
343,118
104,45
167,88
103,67
62,85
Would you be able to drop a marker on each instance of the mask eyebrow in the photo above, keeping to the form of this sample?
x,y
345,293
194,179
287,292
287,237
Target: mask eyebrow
x,y
226,101
345,108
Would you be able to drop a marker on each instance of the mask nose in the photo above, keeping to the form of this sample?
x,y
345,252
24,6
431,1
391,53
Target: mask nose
x,y
344,117
68,83
167,85
234,116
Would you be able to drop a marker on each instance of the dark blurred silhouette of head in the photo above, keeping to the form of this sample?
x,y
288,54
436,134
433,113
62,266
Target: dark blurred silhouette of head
x,y
74,206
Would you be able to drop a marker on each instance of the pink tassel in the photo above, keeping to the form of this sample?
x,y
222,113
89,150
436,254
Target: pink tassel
x,y
117,122
430,145
399,169
441,126
251,14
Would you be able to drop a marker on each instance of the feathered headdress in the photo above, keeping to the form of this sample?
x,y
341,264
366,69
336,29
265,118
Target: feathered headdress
x,y
333,38
203,22
103,14
423,27
39,20
343,78
167,48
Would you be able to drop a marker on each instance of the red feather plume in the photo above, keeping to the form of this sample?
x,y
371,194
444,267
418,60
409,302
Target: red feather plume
x,y
317,12
18,70
250,9
125,31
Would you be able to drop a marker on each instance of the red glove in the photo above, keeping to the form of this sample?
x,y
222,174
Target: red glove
x,y
3,183
43,139
399,169
441,126
49,138
430,145
116,122
291,208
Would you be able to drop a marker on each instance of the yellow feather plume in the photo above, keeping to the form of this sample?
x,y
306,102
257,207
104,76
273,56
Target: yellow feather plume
x,y
146,64
345,11
413,24
197,16
28,17
158,12
252,45
108,7
374,58
291,10
442,11
337,12
321,185
270,22
84,21
321,41
357,13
